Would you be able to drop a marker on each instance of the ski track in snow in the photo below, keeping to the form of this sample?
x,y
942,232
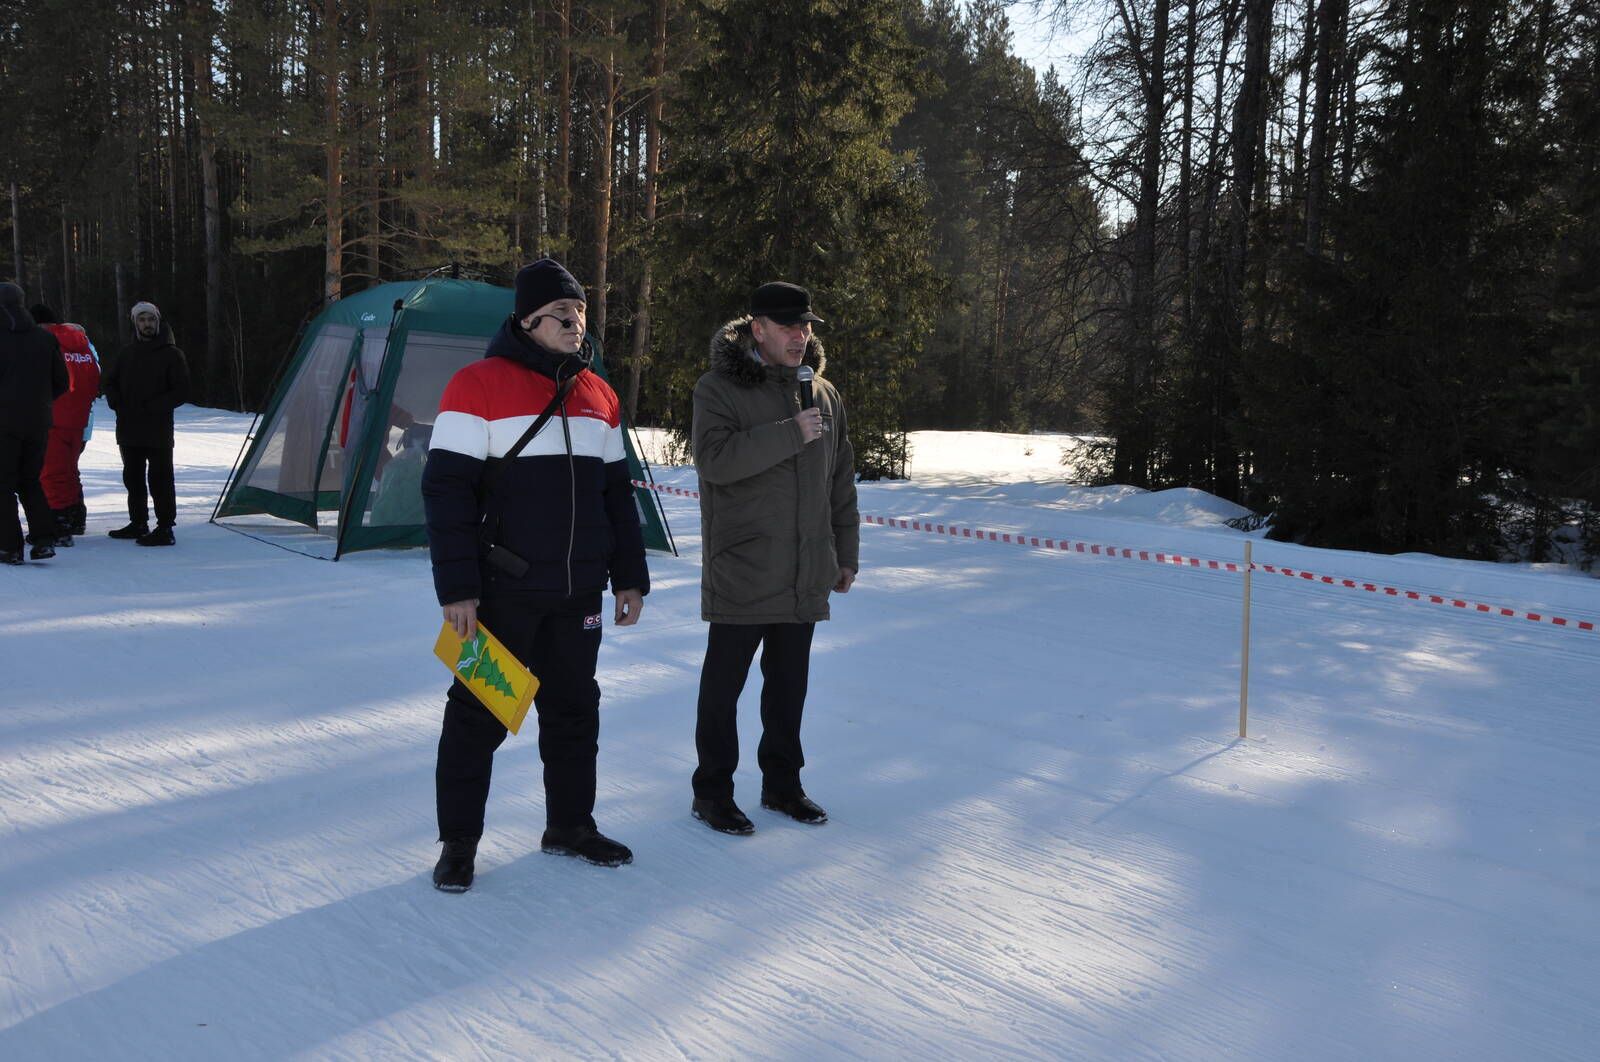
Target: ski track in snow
x,y
1047,842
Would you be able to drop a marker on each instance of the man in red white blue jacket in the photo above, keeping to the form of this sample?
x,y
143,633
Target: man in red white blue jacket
x,y
528,549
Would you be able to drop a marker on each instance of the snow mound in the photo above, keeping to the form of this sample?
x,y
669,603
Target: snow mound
x,y
1183,506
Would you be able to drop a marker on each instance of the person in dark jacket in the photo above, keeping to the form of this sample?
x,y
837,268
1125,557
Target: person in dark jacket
x,y
779,532
144,385
32,375
528,551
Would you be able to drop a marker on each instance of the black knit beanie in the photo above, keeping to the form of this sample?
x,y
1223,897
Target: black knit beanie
x,y
542,283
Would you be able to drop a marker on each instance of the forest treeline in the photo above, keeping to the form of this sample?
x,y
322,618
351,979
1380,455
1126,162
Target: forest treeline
x,y
1337,260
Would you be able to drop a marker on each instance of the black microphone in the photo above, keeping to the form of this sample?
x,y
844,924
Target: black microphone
x,y
805,376
564,322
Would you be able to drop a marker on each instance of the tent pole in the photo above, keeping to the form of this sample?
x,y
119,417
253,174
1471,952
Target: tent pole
x,y
353,479
655,496
272,389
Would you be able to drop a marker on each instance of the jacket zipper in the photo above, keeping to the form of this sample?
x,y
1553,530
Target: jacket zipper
x,y
572,479
799,518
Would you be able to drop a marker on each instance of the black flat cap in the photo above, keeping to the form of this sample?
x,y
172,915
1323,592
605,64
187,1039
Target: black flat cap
x,y
784,303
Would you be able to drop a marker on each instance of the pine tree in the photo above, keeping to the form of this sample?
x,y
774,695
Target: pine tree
x,y
781,169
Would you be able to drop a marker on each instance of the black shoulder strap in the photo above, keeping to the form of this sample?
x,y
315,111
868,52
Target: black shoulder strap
x,y
492,477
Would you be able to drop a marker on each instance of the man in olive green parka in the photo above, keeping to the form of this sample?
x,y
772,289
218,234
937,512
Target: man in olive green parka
x,y
780,532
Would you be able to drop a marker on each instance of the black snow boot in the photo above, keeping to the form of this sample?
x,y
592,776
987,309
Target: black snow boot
x,y
79,519
796,805
130,531
42,551
723,816
161,536
586,843
453,872
10,556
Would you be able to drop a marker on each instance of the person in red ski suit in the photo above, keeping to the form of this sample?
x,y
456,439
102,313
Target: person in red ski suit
x,y
72,419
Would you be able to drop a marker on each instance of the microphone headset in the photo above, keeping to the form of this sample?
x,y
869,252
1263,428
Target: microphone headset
x,y
585,354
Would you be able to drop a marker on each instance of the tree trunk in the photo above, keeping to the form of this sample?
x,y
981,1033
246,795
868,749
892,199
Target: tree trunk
x,y
538,119
200,55
1248,114
16,237
1186,168
66,266
1307,48
605,115
174,125
383,104
652,165
1330,50
1230,26
1135,438
122,303
1350,73
333,243
564,122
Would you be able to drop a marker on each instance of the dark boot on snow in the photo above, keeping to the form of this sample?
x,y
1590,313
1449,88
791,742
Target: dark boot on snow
x,y
453,872
585,843
130,531
796,805
723,816
161,536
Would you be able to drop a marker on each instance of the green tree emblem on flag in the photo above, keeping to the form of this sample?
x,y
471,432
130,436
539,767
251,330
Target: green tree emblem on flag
x,y
476,663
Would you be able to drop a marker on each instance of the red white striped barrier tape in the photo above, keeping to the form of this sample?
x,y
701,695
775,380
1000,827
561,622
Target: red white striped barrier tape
x,y
1034,541
1182,561
662,488
1427,597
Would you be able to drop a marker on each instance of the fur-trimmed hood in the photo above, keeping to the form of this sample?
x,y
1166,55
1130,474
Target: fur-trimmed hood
x,y
733,353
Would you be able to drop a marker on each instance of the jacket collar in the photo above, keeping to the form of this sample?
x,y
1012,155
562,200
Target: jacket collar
x,y
512,343
733,354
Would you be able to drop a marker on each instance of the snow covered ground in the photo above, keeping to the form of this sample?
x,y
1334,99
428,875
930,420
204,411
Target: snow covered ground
x,y
216,806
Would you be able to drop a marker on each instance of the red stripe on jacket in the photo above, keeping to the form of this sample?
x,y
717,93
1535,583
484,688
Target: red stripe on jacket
x,y
497,388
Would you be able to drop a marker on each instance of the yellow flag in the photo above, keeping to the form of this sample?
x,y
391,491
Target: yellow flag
x,y
487,668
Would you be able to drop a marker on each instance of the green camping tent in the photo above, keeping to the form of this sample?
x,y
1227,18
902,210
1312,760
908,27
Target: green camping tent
x,y
341,445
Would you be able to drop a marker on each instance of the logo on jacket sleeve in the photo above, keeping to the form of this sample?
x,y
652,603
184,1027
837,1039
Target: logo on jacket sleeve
x,y
591,623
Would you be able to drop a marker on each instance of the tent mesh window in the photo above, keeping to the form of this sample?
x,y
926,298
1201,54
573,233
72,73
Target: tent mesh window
x,y
281,476
394,497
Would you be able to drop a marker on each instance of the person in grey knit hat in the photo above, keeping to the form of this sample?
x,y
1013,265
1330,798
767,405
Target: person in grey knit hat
x,y
144,385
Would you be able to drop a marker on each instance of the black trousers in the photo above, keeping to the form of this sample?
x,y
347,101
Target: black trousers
x,y
559,641
21,459
136,460
785,666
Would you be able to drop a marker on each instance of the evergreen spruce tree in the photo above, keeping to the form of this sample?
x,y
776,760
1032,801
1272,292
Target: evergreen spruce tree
x,y
1380,419
780,168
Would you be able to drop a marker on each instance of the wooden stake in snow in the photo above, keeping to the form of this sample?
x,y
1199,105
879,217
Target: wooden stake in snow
x,y
1244,653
